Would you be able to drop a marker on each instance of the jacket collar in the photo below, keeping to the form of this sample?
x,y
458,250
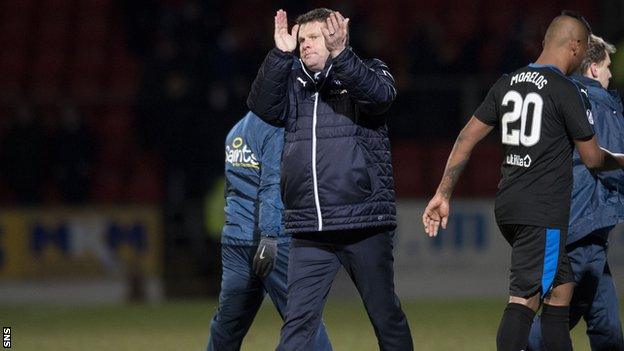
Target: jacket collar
x,y
611,96
586,81
538,65
317,77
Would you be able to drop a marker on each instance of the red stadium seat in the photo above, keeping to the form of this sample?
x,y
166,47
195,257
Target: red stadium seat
x,y
92,31
108,185
12,70
146,184
48,70
86,72
484,169
117,122
115,137
94,8
16,9
409,169
124,75
14,34
53,34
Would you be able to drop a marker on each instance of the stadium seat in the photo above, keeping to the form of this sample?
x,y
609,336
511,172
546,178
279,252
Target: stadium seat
x,y
87,72
409,166
115,138
53,35
108,185
124,75
16,9
92,30
48,70
94,8
145,184
12,71
484,169
7,195
14,33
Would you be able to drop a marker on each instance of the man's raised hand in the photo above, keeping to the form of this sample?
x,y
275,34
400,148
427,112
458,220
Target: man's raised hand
x,y
335,31
285,41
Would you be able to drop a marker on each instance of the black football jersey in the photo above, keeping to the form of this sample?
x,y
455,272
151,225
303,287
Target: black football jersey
x,y
539,112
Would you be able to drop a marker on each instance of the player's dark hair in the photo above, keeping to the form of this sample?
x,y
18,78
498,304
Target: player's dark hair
x,y
320,14
596,52
578,16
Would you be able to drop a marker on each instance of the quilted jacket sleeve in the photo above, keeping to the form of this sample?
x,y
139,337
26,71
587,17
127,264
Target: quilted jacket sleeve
x,y
370,84
268,96
269,196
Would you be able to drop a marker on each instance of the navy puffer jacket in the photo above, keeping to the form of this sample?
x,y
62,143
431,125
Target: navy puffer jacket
x,y
336,164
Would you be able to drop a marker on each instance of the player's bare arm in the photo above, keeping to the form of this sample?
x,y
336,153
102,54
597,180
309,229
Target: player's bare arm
x,y
597,158
437,211
335,31
284,41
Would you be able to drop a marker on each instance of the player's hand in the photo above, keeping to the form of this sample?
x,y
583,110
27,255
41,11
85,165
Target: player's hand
x,y
335,31
284,41
436,215
264,260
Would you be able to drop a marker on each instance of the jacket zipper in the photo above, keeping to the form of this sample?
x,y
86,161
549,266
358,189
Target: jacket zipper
x,y
317,202
314,177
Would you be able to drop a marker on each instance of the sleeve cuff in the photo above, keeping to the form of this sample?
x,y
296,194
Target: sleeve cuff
x,y
346,55
281,54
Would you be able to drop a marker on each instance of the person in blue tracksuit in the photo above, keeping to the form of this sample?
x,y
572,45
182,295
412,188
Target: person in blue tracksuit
x,y
597,206
255,249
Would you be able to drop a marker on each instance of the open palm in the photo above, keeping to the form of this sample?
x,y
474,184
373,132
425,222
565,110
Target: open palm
x,y
284,40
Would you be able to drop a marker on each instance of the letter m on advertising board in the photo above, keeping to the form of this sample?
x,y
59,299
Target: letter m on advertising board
x,y
133,235
43,236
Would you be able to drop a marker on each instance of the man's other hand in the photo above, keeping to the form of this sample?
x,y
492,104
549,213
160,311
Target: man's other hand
x,y
264,260
336,31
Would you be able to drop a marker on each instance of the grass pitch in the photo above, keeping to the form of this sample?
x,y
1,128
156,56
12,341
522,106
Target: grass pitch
x,y
436,325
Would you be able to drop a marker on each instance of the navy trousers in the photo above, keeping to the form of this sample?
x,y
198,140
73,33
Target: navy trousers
x,y
594,299
242,292
314,261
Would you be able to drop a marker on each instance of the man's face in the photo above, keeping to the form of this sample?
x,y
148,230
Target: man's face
x,y
602,71
312,47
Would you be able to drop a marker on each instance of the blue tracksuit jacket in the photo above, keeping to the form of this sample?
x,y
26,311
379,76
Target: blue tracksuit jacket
x,y
253,205
598,199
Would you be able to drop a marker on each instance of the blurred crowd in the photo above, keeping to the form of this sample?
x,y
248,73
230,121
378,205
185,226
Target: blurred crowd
x,y
197,60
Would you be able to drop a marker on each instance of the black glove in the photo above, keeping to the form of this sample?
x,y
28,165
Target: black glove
x,y
264,260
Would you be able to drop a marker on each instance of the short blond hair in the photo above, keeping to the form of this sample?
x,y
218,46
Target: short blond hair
x,y
596,52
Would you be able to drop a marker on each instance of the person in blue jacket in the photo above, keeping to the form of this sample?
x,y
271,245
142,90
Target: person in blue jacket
x,y
255,248
337,182
597,206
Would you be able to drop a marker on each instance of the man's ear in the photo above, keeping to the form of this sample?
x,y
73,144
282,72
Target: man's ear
x,y
575,46
593,70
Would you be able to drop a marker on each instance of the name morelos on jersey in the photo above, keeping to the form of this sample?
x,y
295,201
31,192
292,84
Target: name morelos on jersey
x,y
529,77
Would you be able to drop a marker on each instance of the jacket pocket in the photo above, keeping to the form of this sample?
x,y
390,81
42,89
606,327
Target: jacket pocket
x,y
342,172
295,176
